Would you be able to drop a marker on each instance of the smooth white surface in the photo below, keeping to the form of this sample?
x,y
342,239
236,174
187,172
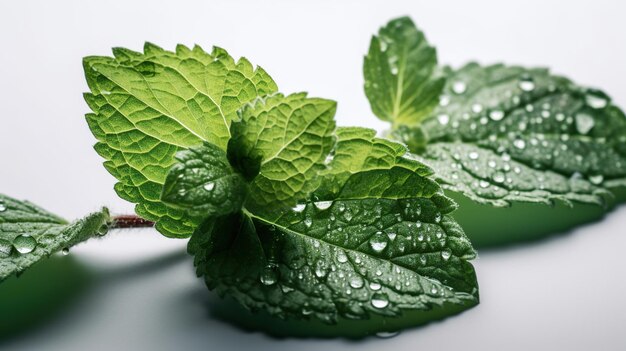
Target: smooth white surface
x,y
566,293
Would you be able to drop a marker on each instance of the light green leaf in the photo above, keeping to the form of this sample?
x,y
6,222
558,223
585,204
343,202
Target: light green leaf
x,y
374,240
518,135
29,234
147,106
401,75
286,141
203,183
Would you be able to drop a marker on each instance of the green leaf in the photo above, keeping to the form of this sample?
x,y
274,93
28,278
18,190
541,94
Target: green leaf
x,y
148,106
287,140
504,135
401,76
29,234
524,135
203,183
374,239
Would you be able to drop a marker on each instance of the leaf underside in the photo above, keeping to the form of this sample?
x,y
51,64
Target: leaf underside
x,y
148,106
29,234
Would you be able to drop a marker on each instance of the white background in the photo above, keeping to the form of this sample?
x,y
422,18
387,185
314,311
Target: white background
x,y
566,293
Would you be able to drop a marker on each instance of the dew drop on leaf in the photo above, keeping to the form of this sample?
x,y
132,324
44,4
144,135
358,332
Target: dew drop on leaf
x,y
526,83
443,119
375,286
459,87
584,123
519,143
496,115
445,254
65,251
299,208
380,300
269,276
3,207
24,244
323,205
356,282
342,257
209,186
473,155
377,243
596,99
596,179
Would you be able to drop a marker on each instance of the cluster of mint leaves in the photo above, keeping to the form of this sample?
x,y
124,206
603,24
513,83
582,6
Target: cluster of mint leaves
x,y
289,214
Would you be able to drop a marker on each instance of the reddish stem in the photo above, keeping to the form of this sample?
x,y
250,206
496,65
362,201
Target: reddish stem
x,y
130,221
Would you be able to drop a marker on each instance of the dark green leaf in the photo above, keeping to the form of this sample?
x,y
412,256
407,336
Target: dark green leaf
x,y
29,234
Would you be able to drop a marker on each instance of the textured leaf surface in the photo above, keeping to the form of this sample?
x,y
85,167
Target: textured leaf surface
x,y
289,139
374,239
203,183
29,234
147,106
401,79
517,134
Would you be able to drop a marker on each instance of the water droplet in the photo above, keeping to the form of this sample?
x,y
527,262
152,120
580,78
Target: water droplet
x,y
584,123
5,248
342,257
596,99
473,155
491,163
443,119
459,87
320,269
596,179
308,222
323,205
483,183
3,207
299,208
444,100
526,83
380,300
498,177
377,243
391,236
423,259
445,254
269,275
519,143
394,70
24,243
65,251
375,286
477,108
387,334
356,282
496,115
209,186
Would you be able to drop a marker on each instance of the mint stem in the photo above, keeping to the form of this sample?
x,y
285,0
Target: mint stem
x,y
130,221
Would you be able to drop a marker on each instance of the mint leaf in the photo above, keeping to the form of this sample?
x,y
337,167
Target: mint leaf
x,y
374,238
203,184
401,77
288,139
28,234
505,135
148,106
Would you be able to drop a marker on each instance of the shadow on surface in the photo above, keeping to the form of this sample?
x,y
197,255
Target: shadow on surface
x,y
47,291
229,311
40,294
